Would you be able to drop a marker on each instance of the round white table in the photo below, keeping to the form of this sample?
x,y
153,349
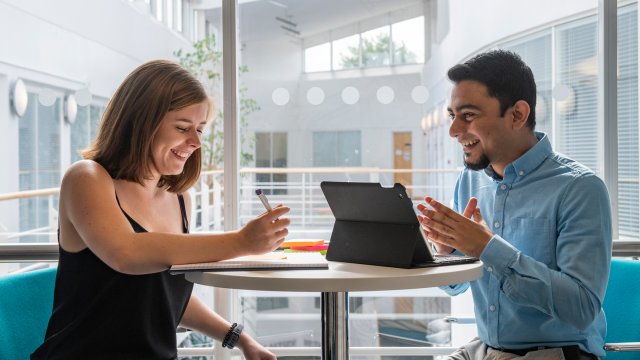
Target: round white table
x,y
334,284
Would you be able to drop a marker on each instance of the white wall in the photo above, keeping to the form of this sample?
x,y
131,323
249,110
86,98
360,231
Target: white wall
x,y
66,45
278,64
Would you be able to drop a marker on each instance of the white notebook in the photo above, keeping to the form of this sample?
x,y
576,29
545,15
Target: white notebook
x,y
270,261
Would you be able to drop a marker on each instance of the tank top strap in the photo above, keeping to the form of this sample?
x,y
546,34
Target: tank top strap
x,y
183,211
136,227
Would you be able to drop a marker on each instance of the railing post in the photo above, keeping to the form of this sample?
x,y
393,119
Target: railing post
x,y
204,205
52,221
304,201
193,225
217,205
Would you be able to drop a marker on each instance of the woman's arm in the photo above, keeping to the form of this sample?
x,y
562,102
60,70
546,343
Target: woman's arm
x,y
90,217
199,317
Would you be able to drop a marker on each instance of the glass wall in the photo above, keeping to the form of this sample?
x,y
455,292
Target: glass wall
x,y
564,60
39,156
84,129
339,123
628,162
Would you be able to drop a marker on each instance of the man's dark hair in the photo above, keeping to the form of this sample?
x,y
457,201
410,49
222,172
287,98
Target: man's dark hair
x,y
506,77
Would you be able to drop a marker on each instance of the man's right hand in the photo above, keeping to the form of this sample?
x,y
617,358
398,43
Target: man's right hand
x,y
468,213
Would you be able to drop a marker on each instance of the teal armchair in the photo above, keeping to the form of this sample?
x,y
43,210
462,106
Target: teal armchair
x,y
622,309
26,302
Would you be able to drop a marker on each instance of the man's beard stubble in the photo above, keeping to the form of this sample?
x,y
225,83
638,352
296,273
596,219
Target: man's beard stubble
x,y
481,164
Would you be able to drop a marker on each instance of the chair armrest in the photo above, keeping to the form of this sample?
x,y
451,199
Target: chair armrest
x,y
624,346
466,319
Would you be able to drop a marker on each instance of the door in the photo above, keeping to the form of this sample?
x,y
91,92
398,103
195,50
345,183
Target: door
x,y
402,158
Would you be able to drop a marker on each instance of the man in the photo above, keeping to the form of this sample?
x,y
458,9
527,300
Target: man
x,y
539,221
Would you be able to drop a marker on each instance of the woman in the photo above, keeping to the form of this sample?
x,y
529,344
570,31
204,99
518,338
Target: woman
x,y
123,222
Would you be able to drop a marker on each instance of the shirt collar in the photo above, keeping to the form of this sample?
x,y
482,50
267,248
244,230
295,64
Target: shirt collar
x,y
526,163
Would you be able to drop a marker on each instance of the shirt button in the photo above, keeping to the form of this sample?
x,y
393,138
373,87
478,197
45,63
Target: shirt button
x,y
492,308
496,225
503,187
490,268
521,173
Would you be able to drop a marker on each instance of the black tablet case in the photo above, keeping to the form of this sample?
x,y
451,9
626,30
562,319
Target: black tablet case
x,y
374,225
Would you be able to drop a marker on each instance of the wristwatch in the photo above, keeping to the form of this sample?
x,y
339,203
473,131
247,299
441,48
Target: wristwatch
x,y
233,335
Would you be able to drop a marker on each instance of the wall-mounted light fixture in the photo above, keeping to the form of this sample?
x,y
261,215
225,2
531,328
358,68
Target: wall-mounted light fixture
x,y
70,108
445,111
19,97
426,123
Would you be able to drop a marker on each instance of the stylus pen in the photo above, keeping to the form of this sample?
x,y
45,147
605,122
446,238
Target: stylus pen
x,y
264,200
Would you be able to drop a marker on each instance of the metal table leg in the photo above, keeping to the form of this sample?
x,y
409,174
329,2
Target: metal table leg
x,y
335,325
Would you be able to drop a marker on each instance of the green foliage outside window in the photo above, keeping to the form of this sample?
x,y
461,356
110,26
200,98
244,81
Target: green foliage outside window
x,y
375,52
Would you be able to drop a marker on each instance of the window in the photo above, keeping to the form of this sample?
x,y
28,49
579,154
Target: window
x,y
333,148
376,47
397,44
331,126
628,160
346,53
577,91
566,73
84,129
271,152
535,50
407,47
39,158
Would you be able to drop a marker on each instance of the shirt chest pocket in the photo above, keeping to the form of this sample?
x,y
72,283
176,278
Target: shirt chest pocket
x,y
532,236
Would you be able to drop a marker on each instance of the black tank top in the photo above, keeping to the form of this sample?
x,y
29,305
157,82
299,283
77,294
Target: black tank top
x,y
99,313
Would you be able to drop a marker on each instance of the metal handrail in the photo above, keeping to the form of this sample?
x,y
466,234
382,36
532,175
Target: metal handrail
x,y
333,170
34,252
29,193
626,248
28,252
302,170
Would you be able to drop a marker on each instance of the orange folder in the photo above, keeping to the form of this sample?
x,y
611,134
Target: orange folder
x,y
311,248
302,242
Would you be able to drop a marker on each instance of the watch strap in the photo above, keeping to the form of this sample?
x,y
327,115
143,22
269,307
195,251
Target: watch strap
x,y
233,335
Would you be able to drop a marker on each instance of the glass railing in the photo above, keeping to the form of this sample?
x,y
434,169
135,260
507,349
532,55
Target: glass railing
x,y
392,323
399,323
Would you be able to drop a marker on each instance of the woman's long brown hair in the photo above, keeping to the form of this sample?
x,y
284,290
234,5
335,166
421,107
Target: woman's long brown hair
x,y
133,116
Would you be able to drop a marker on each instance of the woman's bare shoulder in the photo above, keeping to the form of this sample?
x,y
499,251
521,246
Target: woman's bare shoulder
x,y
85,172
86,168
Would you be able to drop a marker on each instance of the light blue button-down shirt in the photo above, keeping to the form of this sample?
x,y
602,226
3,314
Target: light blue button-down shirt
x,y
547,265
